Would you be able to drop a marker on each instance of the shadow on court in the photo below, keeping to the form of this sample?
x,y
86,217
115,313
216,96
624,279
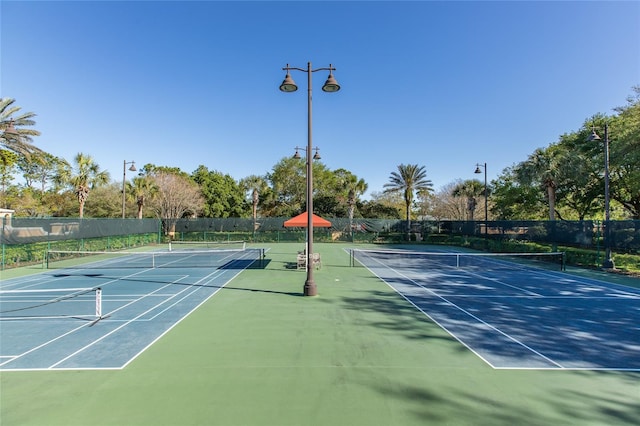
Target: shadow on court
x,y
246,264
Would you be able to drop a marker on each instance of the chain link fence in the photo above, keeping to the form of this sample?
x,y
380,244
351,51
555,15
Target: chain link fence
x,y
25,240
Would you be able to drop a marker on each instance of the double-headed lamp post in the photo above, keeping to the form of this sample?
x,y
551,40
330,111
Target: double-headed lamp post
x,y
608,260
486,203
124,179
288,85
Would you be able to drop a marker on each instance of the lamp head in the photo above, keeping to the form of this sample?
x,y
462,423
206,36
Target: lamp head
x,y
316,156
288,85
11,131
133,167
478,171
593,136
331,85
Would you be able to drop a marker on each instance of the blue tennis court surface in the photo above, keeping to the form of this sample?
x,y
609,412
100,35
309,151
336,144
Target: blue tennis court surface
x,y
517,316
139,305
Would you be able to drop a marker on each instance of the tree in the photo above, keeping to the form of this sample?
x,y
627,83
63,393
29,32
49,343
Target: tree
x,y
42,168
579,187
288,186
13,134
542,169
471,190
446,206
8,161
390,200
223,197
407,180
142,189
255,185
29,203
513,200
354,188
61,176
106,201
625,155
377,210
58,204
87,175
151,169
177,197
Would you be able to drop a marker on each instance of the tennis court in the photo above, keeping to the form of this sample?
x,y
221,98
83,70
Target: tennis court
x,y
99,310
513,313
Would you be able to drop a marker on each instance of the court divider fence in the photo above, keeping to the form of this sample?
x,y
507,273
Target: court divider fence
x,y
24,241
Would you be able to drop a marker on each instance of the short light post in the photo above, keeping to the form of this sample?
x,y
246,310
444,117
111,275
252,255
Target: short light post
x,y
486,198
124,179
288,85
607,263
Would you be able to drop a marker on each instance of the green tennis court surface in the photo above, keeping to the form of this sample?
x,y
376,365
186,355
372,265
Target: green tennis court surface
x,y
257,353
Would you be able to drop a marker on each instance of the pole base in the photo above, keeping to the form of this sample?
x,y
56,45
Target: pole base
x,y
310,289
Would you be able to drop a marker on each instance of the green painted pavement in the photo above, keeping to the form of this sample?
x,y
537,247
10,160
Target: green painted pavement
x,y
259,353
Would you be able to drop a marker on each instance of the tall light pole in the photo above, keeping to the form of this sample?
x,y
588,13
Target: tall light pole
x,y
288,85
124,179
486,202
608,260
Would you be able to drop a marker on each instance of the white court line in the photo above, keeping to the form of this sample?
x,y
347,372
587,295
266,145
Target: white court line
x,y
594,298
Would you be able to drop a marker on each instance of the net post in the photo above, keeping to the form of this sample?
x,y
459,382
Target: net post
x,y
98,302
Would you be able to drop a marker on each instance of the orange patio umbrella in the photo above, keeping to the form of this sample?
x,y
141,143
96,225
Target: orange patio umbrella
x,y
300,221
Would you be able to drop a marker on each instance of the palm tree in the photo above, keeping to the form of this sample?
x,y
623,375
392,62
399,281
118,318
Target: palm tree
x,y
88,176
354,188
542,167
12,134
471,189
61,175
141,190
257,185
408,179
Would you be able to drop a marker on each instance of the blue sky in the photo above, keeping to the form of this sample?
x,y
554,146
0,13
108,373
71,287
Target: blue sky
x,y
444,85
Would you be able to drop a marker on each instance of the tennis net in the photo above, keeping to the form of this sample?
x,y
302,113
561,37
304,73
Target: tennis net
x,y
83,303
186,258
440,260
